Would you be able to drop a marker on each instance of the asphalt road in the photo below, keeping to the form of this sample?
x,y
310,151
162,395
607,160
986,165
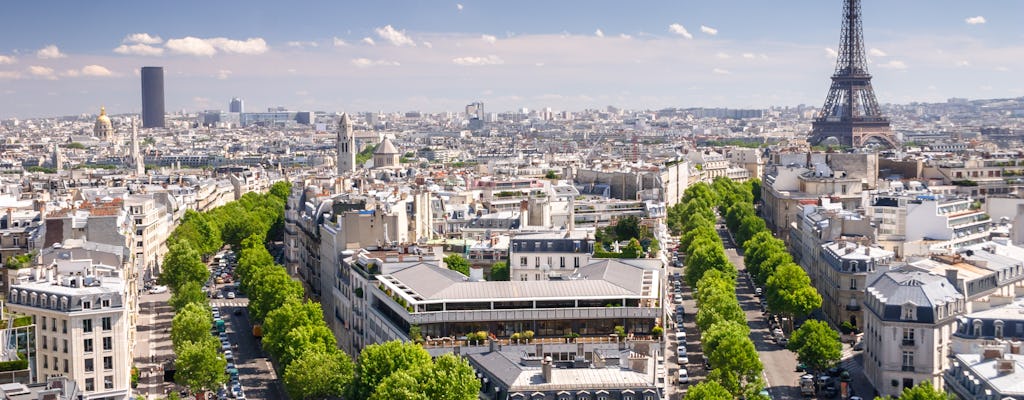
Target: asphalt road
x,y
259,380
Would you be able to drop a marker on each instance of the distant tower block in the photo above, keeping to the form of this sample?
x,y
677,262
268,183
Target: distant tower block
x,y
236,106
851,114
152,97
346,146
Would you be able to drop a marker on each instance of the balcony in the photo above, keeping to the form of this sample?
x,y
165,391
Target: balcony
x,y
908,368
908,342
853,307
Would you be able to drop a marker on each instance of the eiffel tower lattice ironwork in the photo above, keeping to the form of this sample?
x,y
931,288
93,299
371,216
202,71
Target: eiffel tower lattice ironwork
x,y
851,114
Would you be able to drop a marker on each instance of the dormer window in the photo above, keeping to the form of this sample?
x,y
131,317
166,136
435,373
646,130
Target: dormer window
x,y
977,328
999,329
909,312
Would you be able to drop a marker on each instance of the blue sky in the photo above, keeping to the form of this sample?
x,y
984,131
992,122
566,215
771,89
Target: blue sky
x,y
72,57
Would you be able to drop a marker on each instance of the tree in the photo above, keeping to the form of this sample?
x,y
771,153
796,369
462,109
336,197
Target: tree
x,y
704,255
307,338
633,249
282,320
749,226
816,345
628,228
281,190
191,324
379,361
456,262
499,271
200,366
923,391
21,260
718,307
737,366
183,264
707,390
447,378
790,291
188,293
269,288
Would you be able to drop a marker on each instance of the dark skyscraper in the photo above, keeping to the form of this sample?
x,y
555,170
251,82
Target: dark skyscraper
x,y
152,97
236,105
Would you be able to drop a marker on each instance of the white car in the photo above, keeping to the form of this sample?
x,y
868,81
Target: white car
x,y
231,295
158,289
682,376
680,335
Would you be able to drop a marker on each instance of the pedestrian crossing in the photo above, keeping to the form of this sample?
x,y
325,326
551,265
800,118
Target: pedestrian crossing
x,y
229,304
848,360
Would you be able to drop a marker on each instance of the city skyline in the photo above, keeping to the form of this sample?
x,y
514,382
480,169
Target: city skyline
x,y
434,57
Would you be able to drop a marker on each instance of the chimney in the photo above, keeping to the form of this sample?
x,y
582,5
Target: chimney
x,y
1005,366
638,363
545,369
476,274
951,276
991,353
494,346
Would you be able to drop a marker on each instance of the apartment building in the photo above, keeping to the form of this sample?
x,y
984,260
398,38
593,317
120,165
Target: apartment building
x,y
85,330
549,255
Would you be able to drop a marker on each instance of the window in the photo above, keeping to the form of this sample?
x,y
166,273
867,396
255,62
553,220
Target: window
x,y
65,365
44,343
55,368
64,326
90,384
87,345
106,323
853,283
53,325
65,345
561,262
85,306
999,329
977,328
909,312
46,362
89,367
908,336
575,262
108,343
44,323
54,347
522,261
108,382
908,360
536,261
105,303
87,325
537,277
138,244
108,363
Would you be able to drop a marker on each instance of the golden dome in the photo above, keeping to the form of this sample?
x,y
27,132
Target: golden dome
x,y
103,116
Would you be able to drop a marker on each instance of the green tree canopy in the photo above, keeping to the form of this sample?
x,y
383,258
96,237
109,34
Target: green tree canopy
x,y
923,391
188,293
269,288
282,320
749,226
499,271
183,264
816,345
449,377
281,190
200,366
719,307
790,291
704,255
192,323
379,361
307,338
633,249
456,262
737,366
318,375
708,390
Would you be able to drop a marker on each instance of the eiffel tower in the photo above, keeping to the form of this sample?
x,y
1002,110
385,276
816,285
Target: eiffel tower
x,y
851,113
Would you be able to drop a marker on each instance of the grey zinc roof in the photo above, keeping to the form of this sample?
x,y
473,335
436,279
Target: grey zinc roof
x,y
499,365
924,290
602,279
386,147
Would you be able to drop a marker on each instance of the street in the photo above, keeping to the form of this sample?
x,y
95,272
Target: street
x,y
254,368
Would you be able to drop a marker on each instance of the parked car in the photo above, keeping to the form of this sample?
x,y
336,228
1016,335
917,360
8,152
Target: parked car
x,y
231,295
683,377
158,289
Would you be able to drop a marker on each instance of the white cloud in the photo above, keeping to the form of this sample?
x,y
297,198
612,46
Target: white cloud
x,y
301,44
7,60
143,38
139,50
1002,68
975,20
680,30
489,39
749,56
369,41
10,75
96,70
963,63
599,33
708,30
194,46
477,61
625,36
458,6
50,51
720,71
876,53
366,63
831,53
722,55
40,71
396,37
339,42
894,64
223,74
428,45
